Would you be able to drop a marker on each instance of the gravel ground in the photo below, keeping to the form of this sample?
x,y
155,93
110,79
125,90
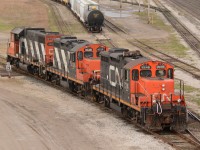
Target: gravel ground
x,y
36,116
42,117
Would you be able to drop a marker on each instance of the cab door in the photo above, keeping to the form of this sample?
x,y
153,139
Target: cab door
x,y
72,64
126,85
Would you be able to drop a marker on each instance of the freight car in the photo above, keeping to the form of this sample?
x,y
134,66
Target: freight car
x,y
88,12
140,88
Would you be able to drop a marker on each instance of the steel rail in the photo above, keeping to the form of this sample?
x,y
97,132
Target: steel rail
x,y
62,25
191,7
115,28
195,72
192,41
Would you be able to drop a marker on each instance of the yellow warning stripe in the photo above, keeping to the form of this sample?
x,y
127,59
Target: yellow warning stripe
x,y
63,75
116,98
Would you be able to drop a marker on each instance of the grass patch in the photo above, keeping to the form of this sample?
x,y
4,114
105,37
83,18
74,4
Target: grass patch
x,y
187,88
197,100
192,94
169,45
155,20
5,26
52,21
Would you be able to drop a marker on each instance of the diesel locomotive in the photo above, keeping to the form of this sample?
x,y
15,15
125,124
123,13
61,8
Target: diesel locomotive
x,y
140,88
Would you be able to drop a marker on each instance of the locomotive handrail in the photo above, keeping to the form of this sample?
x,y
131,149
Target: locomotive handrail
x,y
145,91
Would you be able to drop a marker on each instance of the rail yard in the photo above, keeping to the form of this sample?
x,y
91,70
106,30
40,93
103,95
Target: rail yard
x,y
58,90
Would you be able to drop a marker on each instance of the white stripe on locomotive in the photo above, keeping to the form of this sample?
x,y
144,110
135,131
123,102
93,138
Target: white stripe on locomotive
x,y
32,50
26,46
43,50
64,60
37,51
58,58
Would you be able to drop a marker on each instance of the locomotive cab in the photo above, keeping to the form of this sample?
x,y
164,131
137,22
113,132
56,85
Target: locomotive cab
x,y
142,89
88,62
152,86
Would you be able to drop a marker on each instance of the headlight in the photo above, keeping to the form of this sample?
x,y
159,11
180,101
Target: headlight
x,y
163,85
179,100
163,89
154,101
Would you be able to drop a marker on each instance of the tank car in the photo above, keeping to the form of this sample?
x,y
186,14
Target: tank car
x,y
142,89
88,12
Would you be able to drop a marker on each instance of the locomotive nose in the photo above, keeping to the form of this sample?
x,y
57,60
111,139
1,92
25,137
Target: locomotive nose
x,y
95,17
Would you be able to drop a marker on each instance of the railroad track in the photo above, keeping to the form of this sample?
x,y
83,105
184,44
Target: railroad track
x,y
192,41
180,141
192,115
195,126
195,72
104,40
62,25
115,28
191,6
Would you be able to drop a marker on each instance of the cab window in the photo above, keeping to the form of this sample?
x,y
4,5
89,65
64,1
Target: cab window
x,y
170,73
126,75
135,75
100,49
80,55
145,73
88,54
160,73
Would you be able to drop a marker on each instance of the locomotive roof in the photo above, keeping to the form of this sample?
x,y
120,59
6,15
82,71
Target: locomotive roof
x,y
88,2
17,30
20,30
135,62
41,32
65,39
78,46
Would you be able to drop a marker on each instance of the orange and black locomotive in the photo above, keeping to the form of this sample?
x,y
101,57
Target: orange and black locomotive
x,y
140,88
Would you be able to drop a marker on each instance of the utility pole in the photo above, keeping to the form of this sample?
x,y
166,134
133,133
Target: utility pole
x,y
148,11
120,8
139,6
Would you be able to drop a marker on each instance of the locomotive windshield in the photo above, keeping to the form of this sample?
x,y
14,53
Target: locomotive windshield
x,y
100,49
160,73
145,73
88,54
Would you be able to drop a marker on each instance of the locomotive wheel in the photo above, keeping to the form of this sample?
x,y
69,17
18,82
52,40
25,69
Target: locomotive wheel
x,y
57,80
30,69
106,102
17,64
71,86
124,111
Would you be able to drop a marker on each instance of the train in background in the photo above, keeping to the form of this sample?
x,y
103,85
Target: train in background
x,y
88,13
140,88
